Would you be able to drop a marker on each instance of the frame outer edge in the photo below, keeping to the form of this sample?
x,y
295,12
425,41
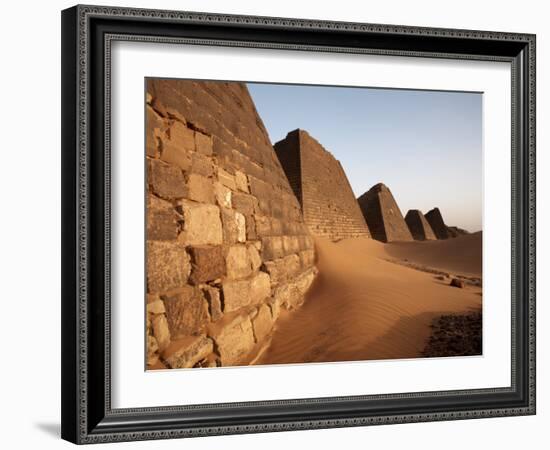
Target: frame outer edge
x,y
69,237
297,23
75,219
532,143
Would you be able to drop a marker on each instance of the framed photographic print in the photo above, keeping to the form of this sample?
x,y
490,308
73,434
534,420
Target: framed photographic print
x,y
268,222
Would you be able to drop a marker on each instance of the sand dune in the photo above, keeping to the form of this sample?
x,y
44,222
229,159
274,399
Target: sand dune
x,y
461,255
364,307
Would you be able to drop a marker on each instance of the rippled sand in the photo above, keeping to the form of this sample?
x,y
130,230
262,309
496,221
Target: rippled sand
x,y
362,306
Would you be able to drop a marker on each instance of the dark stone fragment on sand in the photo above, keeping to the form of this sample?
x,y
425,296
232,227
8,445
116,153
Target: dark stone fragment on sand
x,y
455,282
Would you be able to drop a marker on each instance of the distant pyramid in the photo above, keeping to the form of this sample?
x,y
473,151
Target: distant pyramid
x,y
419,226
435,219
383,216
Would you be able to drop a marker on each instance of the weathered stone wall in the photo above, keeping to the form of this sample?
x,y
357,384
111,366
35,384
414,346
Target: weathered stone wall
x,y
322,187
435,219
227,246
419,226
383,216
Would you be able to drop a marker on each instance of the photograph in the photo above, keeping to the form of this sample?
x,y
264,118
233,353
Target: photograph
x,y
294,224
276,220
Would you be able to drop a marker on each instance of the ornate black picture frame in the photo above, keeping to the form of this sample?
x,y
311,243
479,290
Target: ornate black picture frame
x,y
87,34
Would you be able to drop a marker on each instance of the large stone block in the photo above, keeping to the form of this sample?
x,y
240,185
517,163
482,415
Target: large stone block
x,y
291,244
213,296
262,322
152,350
151,298
155,128
235,341
175,153
207,263
260,189
222,194
307,258
236,294
201,165
202,224
181,137
291,294
154,202
203,144
263,226
186,311
308,243
275,307
188,351
167,181
251,291
172,113
276,226
238,261
260,287
287,296
244,203
254,256
231,230
168,266
305,280
227,179
162,224
200,189
156,306
161,331
272,248
283,268
241,181
251,228
276,207
221,150
241,223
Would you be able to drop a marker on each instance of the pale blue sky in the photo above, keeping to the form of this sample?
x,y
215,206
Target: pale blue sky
x,y
426,146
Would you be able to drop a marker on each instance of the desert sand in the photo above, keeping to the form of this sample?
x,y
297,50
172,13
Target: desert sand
x,y
460,255
376,301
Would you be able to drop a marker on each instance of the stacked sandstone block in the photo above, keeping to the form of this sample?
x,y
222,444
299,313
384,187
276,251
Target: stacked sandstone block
x,y
321,186
227,247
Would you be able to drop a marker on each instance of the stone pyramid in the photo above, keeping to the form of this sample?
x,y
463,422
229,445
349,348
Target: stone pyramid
x,y
383,216
435,219
321,186
419,226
